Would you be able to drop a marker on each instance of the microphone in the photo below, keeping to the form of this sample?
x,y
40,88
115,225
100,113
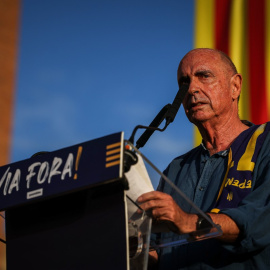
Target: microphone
x,y
176,104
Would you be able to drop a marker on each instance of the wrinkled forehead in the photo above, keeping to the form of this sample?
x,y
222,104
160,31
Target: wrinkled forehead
x,y
198,60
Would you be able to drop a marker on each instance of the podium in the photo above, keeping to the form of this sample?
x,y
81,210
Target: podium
x,y
69,209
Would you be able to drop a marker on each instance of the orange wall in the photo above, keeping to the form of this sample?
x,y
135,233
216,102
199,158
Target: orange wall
x,y
9,33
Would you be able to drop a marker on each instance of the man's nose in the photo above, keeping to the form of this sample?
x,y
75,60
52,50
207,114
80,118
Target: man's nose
x,y
193,87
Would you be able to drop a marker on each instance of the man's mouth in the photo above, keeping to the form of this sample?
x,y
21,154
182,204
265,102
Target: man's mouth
x,y
197,104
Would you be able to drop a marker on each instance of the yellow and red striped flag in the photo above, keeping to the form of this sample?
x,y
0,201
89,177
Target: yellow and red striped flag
x,y
241,29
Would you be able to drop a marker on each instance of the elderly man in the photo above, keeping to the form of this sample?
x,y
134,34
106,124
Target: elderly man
x,y
227,176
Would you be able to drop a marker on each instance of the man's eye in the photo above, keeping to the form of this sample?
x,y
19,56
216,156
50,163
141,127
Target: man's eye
x,y
203,75
184,81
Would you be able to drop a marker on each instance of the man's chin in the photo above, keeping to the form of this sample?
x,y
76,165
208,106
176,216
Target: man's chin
x,y
197,118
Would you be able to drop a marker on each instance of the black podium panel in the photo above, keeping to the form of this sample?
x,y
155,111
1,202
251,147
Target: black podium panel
x,y
82,230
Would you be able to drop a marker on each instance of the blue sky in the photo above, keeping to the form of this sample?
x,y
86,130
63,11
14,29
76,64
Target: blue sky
x,y
90,68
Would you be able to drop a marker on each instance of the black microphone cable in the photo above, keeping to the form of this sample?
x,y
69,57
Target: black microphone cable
x,y
2,240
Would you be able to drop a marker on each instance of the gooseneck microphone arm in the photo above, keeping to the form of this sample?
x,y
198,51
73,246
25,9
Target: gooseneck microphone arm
x,y
149,129
168,112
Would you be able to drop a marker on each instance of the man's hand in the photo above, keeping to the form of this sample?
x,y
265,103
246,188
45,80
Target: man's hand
x,y
165,209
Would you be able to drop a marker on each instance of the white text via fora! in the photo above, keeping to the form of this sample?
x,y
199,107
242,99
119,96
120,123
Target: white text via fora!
x,y
39,172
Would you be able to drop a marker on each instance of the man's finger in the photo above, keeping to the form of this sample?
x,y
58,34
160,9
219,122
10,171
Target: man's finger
x,y
152,195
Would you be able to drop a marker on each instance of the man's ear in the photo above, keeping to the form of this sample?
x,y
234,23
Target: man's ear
x,y
236,84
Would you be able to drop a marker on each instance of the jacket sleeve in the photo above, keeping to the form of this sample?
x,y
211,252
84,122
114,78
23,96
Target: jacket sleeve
x,y
253,214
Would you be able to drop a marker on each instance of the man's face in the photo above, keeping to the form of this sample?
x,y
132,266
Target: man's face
x,y
208,78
